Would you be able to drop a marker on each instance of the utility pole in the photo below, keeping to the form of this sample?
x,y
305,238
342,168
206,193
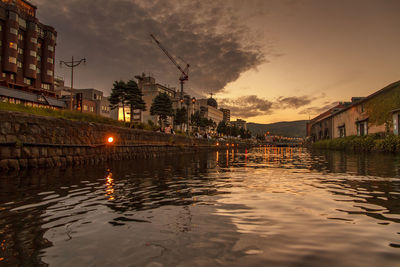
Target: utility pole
x,y
72,64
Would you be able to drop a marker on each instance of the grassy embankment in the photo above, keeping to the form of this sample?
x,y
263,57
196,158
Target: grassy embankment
x,y
390,143
77,116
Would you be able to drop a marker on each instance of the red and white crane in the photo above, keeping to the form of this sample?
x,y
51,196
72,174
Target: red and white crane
x,y
185,72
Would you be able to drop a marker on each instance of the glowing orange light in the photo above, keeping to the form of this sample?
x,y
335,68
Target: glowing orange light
x,y
233,144
110,139
227,144
217,144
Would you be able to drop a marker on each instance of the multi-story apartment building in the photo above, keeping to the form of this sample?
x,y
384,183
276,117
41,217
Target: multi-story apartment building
x,y
226,115
27,51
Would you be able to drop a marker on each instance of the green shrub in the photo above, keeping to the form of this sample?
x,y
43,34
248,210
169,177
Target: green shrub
x,y
390,143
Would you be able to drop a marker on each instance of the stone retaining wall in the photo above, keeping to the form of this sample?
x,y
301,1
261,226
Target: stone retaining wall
x,y
29,141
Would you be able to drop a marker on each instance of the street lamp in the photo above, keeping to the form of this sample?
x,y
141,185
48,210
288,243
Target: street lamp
x,y
72,64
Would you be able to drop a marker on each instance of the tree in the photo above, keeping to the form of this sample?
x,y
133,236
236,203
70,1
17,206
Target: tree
x,y
222,128
180,116
118,96
161,107
196,119
133,96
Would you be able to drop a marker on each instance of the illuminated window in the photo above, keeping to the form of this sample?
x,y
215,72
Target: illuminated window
x,y
32,66
91,109
39,58
34,40
27,81
3,74
13,45
12,76
12,60
85,107
51,48
20,37
37,70
50,72
19,64
45,86
13,31
20,51
33,53
50,60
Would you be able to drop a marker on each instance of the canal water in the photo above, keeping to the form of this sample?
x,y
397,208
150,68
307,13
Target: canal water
x,y
265,206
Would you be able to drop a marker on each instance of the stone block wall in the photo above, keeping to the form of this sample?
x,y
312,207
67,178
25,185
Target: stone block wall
x,y
29,141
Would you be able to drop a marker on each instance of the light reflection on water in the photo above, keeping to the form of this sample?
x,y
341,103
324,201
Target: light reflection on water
x,y
278,206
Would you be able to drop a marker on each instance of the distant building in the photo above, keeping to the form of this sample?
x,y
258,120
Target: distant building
x,y
150,90
101,104
240,124
226,115
209,109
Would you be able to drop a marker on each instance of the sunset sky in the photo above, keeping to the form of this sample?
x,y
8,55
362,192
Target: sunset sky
x,y
268,61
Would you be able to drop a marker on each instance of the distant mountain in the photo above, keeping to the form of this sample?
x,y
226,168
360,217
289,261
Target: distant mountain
x,y
284,128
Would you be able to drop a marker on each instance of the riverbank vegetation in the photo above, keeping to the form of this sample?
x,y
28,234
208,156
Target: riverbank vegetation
x,y
58,113
389,143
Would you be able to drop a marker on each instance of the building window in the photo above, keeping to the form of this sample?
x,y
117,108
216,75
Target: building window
x,y
33,53
20,51
12,60
85,107
342,131
19,64
20,37
27,81
37,70
50,60
34,40
22,23
13,31
39,58
362,128
51,48
12,76
13,45
13,16
91,109
50,72
32,66
4,75
45,86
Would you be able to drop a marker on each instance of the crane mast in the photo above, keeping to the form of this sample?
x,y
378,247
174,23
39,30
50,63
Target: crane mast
x,y
184,72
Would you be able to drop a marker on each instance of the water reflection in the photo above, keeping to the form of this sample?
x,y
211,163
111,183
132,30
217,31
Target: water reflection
x,y
262,206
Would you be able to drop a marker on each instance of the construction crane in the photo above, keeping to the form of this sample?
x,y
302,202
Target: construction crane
x,y
185,72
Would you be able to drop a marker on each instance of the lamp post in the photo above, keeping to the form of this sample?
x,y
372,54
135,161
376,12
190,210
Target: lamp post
x,y
72,64
193,102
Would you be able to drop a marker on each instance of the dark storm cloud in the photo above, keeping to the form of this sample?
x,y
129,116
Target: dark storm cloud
x,y
251,106
318,109
293,101
247,106
114,37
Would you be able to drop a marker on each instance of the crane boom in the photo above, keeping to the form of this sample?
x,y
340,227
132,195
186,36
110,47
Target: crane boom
x,y
185,72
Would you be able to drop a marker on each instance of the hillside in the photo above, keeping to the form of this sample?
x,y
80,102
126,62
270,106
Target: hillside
x,y
284,128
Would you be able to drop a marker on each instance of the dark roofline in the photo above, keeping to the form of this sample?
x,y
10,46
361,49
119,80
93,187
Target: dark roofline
x,y
29,3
